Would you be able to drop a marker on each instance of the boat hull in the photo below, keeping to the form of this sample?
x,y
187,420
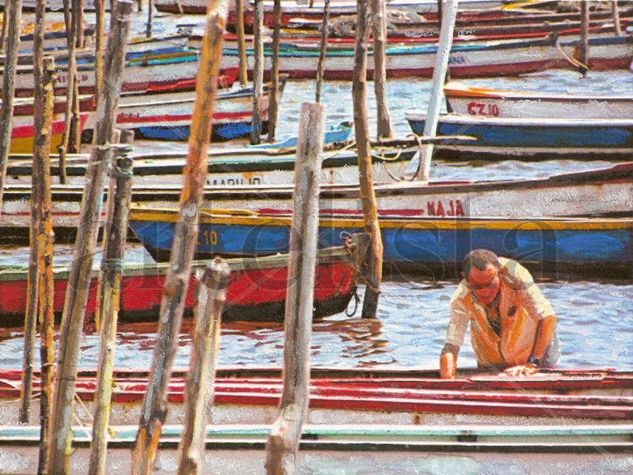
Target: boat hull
x,y
438,247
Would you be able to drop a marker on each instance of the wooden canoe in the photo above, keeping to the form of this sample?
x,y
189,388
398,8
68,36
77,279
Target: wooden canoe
x,y
142,288
487,102
601,192
531,138
591,246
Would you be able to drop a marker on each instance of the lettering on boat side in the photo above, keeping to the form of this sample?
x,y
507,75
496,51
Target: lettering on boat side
x,y
235,181
208,237
456,59
478,108
441,210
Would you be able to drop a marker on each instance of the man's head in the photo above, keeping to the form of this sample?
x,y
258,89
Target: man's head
x,y
481,271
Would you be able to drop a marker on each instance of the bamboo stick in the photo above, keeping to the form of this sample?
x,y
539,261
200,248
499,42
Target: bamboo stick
x,y
365,170
78,14
322,50
64,147
30,319
283,442
258,71
150,18
79,274
8,87
99,47
273,108
204,359
120,190
46,237
449,14
384,130
615,14
583,47
186,234
241,41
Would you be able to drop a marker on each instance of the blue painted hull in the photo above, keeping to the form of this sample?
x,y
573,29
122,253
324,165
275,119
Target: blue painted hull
x,y
540,136
416,249
220,132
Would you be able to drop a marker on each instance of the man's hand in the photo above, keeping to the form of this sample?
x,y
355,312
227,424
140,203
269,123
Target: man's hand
x,y
521,370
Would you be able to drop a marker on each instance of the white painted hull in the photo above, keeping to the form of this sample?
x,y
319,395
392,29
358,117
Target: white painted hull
x,y
525,104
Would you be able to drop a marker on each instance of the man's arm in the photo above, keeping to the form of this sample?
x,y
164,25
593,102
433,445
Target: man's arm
x,y
544,334
448,361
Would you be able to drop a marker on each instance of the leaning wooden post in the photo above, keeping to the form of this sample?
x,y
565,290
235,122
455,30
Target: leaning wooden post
x,y
45,236
615,14
74,145
583,53
150,18
30,318
365,170
185,239
258,71
99,47
8,87
322,50
449,14
81,265
71,68
379,29
273,108
120,192
241,41
204,358
285,434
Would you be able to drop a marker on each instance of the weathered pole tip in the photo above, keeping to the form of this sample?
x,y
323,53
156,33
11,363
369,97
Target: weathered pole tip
x,y
216,273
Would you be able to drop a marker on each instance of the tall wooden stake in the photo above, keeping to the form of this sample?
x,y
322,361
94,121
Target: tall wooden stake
x,y
186,235
615,14
30,318
273,108
8,87
120,191
285,434
583,53
449,14
322,50
204,359
99,47
241,41
379,28
150,18
258,71
81,265
365,170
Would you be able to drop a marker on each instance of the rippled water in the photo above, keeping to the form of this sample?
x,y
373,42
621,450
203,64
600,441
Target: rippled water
x,y
596,319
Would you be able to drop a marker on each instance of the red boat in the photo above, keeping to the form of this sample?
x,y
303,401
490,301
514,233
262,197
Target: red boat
x,y
256,289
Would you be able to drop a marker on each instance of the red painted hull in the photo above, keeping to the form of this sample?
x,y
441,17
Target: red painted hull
x,y
573,394
252,294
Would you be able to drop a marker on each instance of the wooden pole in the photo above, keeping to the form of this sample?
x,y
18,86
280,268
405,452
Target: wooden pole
x,y
365,170
8,87
5,24
81,265
273,108
241,42
45,236
322,50
99,47
615,13
285,434
150,18
74,145
120,191
204,359
64,147
379,28
449,14
583,53
186,236
258,71
30,318
41,80
79,24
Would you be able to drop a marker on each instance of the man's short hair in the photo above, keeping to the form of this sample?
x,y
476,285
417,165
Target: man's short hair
x,y
479,259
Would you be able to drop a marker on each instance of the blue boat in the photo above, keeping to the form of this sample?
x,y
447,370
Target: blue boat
x,y
531,137
589,246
